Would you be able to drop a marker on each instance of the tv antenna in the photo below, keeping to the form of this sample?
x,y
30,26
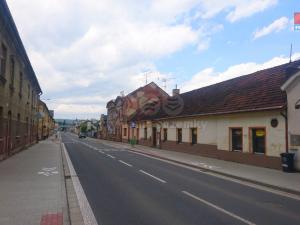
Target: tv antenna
x,y
291,51
165,80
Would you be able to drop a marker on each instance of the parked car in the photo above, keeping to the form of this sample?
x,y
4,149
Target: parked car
x,y
82,135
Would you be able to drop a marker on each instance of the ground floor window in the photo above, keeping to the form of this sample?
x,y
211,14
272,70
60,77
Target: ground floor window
x,y
125,132
258,140
165,134
236,139
194,135
179,135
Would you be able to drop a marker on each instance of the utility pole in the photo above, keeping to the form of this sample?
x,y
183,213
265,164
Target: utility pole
x,y
291,51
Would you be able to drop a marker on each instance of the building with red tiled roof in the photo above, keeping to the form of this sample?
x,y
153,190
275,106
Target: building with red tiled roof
x,y
242,119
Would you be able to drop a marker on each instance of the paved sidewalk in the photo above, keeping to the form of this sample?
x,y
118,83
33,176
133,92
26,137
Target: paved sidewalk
x,y
32,188
289,182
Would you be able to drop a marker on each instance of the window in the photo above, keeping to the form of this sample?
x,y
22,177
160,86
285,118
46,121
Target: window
x,y
125,132
21,84
3,59
165,134
194,135
12,71
258,140
19,124
28,86
179,135
236,139
145,133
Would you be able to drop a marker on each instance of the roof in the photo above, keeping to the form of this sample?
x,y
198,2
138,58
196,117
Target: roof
x,y
15,38
290,81
253,92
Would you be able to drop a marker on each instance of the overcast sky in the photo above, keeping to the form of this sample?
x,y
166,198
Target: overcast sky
x,y
85,52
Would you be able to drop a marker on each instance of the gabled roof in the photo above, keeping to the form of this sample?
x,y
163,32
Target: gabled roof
x,y
253,92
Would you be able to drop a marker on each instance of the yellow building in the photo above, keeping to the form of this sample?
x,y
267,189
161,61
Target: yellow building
x,y
19,90
46,123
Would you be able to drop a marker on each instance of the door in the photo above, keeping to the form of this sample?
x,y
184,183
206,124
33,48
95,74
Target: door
x,y
259,140
8,135
154,136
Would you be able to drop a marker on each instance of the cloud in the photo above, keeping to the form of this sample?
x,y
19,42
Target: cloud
x,y
276,26
98,48
235,9
209,76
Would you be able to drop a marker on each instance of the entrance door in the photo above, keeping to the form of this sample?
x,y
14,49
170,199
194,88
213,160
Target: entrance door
x,y
8,134
154,136
259,140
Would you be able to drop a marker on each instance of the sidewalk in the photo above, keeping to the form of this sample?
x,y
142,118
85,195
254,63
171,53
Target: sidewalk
x,y
32,187
289,182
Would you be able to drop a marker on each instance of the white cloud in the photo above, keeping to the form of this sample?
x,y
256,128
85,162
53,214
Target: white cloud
x,y
98,48
235,9
209,76
276,26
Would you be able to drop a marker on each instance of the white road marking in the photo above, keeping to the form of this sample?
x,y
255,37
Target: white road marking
x,y
154,177
101,151
218,208
111,156
125,163
85,208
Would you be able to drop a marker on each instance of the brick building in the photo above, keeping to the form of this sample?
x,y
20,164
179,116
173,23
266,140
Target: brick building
x,y
19,89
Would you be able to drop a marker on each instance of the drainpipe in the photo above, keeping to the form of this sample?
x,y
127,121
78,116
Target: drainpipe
x,y
284,114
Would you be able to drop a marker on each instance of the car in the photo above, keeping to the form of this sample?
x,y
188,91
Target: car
x,y
82,135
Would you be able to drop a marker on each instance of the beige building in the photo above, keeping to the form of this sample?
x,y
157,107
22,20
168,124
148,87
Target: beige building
x,y
245,119
292,88
46,123
19,90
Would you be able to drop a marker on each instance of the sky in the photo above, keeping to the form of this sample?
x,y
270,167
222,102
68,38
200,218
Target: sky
x,y
86,52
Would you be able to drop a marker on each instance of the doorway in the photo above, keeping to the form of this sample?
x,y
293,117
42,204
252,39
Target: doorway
x,y
154,142
8,134
258,140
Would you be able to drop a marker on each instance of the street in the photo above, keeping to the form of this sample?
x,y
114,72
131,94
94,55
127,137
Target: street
x,y
125,188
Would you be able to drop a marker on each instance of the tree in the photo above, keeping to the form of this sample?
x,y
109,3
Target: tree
x,y
83,128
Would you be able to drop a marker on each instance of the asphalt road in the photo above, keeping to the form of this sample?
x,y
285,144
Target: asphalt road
x,y
125,188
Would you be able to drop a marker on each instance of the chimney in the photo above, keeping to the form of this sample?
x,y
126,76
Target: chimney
x,y
176,91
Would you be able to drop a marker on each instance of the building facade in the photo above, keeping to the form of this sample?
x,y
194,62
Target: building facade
x,y
250,119
46,122
19,90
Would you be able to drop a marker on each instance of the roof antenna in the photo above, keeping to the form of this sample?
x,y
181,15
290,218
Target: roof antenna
x,y
291,51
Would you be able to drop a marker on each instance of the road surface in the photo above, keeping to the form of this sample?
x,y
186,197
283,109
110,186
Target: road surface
x,y
125,188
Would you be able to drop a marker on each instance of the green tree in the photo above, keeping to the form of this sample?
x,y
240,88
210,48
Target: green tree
x,y
83,128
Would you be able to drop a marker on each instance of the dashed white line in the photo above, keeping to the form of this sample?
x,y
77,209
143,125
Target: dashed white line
x,y
111,156
154,177
218,208
125,163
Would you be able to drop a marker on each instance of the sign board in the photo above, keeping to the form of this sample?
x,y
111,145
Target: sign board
x,y
297,21
260,133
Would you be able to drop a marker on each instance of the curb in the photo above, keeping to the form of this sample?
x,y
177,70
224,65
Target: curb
x,y
74,213
274,187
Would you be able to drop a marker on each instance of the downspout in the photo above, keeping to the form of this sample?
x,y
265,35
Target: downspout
x,y
284,114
